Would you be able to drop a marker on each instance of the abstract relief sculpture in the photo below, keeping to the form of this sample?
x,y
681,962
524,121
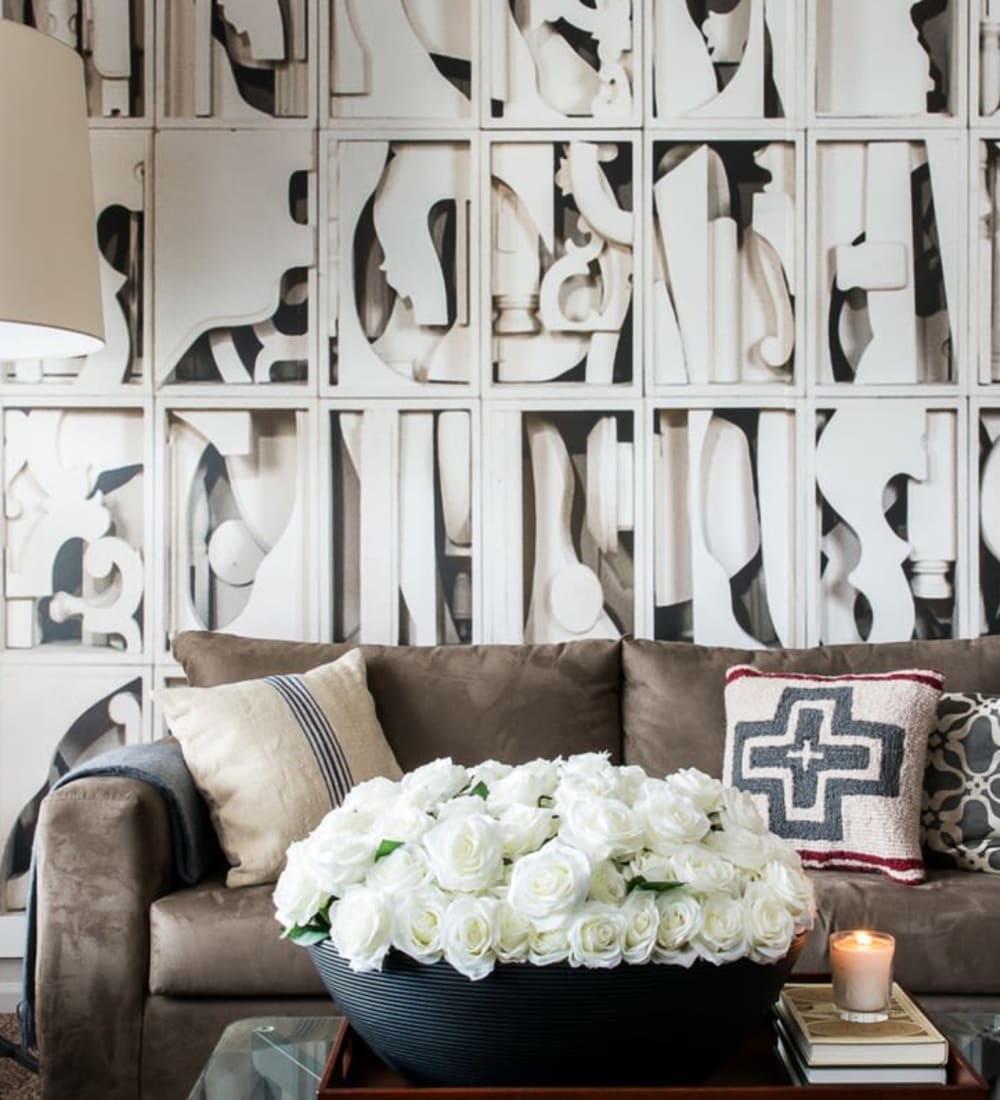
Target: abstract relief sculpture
x,y
715,59
244,61
561,264
724,545
989,58
887,250
562,485
989,520
75,511
399,282
555,60
238,552
92,710
234,271
401,59
888,515
120,163
403,525
723,294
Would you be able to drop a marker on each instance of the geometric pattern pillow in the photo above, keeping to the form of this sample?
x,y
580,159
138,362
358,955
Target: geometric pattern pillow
x,y
961,807
835,764
273,756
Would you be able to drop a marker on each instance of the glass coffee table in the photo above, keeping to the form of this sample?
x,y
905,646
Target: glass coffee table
x,y
268,1058
977,1035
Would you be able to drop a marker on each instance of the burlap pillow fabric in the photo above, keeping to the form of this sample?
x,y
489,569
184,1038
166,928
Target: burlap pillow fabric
x,y
835,763
961,809
272,756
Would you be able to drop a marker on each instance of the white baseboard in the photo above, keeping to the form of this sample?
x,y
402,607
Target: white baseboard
x,y
12,932
10,994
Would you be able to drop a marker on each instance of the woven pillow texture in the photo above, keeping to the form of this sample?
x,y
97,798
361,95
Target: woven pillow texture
x,y
961,808
272,756
835,764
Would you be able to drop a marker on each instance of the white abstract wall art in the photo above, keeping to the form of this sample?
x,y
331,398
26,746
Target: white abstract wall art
x,y
238,551
403,525
557,60
90,712
400,282
562,233
724,534
989,520
401,59
888,521
888,258
74,509
724,262
568,477
715,59
245,61
234,264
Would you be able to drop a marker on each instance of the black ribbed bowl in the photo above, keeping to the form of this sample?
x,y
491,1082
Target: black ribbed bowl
x,y
526,1025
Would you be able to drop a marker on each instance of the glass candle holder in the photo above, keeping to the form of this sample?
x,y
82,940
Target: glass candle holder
x,y
861,964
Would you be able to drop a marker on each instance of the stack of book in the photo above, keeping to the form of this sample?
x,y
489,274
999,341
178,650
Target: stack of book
x,y
818,1047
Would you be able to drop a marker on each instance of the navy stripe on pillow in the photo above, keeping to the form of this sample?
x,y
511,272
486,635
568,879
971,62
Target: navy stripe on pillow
x,y
319,733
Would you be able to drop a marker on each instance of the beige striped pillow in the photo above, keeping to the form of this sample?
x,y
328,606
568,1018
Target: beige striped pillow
x,y
272,756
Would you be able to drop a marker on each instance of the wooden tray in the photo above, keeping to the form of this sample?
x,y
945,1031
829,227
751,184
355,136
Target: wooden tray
x,y
754,1073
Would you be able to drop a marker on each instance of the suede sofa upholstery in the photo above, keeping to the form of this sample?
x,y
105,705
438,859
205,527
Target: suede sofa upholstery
x,y
136,979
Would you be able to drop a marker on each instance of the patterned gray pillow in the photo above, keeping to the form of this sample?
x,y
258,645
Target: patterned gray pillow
x,y
960,820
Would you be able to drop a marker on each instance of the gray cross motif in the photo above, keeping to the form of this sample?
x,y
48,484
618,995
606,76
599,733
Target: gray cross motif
x,y
813,760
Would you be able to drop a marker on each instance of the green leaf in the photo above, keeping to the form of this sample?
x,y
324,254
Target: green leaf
x,y
642,883
386,848
481,790
304,936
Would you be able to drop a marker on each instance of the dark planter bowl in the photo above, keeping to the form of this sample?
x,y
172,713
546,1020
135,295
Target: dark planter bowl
x,y
527,1025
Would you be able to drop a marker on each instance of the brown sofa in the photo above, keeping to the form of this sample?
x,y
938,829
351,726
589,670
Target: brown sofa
x,y
136,980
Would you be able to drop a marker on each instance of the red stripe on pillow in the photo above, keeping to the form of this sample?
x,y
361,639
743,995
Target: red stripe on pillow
x,y
910,871
926,676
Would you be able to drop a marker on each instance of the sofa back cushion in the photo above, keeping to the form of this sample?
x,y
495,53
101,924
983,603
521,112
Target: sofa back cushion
x,y
472,703
673,713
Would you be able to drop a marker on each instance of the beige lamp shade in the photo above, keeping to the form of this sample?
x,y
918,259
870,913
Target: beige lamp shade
x,y
50,294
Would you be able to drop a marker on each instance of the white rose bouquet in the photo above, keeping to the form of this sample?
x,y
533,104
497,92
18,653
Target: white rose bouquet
x,y
571,860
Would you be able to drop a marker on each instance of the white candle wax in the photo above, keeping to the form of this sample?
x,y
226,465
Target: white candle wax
x,y
861,964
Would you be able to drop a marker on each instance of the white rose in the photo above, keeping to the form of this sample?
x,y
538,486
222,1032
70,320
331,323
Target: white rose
x,y
740,846
465,853
548,885
780,850
705,871
724,934
701,789
524,829
524,785
769,923
587,773
341,849
642,922
595,936
418,924
361,927
297,895
402,870
653,867
470,931
461,806
373,794
548,946
739,810
513,934
680,922
795,890
604,828
488,772
404,820
632,779
669,819
607,883
435,782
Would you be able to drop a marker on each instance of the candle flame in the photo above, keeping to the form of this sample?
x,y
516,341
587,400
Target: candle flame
x,y
863,939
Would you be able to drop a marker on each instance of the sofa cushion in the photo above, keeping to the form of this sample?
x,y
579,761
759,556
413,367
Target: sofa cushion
x,y
272,756
472,703
835,764
961,807
943,927
211,941
672,705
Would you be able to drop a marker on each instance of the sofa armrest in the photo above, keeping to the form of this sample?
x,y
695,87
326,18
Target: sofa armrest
x,y
103,853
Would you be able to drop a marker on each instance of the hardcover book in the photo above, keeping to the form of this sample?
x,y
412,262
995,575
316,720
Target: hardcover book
x,y
822,1038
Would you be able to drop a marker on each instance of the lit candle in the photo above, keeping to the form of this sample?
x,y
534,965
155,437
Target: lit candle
x,y
861,964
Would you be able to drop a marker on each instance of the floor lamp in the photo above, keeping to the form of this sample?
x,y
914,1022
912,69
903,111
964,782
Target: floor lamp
x,y
50,295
